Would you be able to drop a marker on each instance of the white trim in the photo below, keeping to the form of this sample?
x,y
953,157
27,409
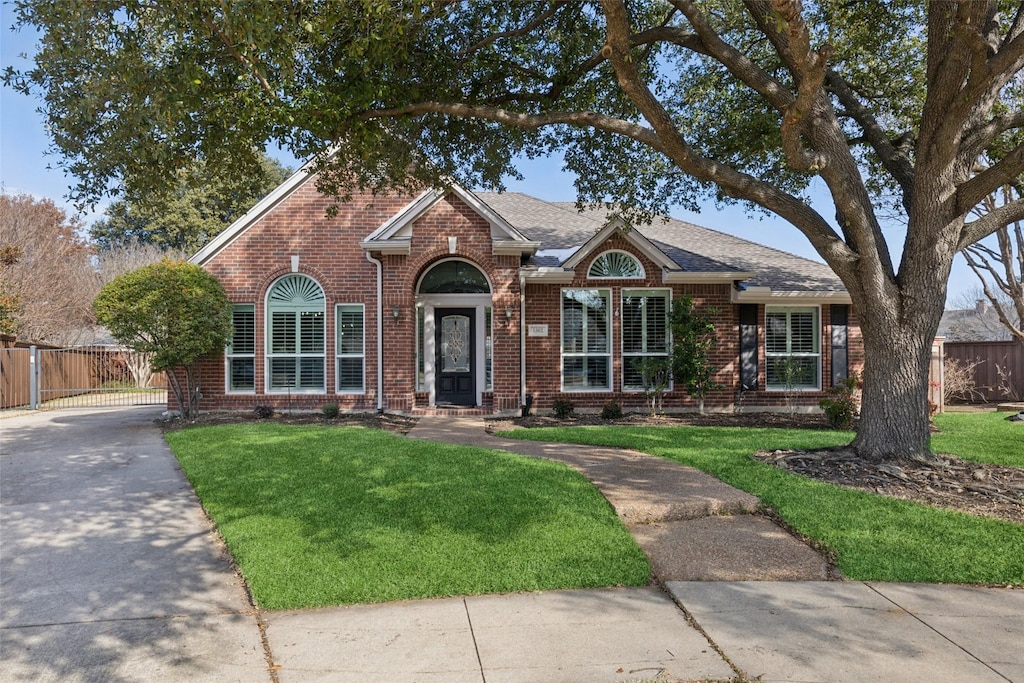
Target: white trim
x,y
819,341
561,342
392,236
632,235
770,297
253,215
338,354
268,342
463,259
641,276
478,302
556,276
647,291
228,356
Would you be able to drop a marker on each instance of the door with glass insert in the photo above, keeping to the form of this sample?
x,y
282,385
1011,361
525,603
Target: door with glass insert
x,y
453,364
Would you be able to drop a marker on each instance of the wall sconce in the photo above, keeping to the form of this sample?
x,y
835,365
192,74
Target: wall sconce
x,y
396,312
508,313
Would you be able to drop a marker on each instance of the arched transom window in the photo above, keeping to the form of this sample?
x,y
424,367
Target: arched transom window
x,y
296,335
616,264
454,277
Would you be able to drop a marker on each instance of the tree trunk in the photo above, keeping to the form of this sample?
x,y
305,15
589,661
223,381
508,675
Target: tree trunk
x,y
894,418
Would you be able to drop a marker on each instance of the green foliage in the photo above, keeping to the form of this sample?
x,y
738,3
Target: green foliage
x,y
10,309
693,337
330,410
320,515
562,408
188,215
175,311
655,373
612,410
841,406
873,537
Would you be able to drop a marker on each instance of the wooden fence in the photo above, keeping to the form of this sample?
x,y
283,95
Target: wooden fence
x,y
991,358
101,374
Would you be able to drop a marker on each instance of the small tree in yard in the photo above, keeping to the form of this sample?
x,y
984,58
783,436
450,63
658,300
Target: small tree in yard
x,y
693,337
176,312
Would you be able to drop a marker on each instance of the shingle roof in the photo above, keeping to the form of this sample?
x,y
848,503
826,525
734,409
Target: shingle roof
x,y
559,226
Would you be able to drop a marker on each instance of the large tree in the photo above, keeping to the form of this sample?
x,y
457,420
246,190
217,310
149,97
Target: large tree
x,y
659,102
194,210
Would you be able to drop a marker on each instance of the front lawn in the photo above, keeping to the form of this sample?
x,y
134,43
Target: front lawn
x,y
318,515
873,537
981,437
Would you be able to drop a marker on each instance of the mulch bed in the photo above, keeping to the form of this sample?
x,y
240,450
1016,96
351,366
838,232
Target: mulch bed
x,y
949,482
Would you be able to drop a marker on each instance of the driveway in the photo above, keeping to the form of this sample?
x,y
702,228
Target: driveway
x,y
110,570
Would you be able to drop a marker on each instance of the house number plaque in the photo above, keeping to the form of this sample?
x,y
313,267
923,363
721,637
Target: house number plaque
x,y
537,330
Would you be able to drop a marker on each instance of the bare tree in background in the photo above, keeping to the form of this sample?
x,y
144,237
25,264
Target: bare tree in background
x,y
1000,268
49,271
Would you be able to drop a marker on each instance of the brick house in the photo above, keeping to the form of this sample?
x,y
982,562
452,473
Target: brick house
x,y
484,302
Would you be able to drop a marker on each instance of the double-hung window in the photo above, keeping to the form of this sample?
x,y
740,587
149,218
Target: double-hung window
x,y
296,334
240,355
645,336
792,341
586,339
351,349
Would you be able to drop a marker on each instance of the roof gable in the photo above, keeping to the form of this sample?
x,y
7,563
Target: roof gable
x,y
617,226
394,236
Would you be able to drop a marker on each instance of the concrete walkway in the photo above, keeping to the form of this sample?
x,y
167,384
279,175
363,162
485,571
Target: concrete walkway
x,y
110,572
692,526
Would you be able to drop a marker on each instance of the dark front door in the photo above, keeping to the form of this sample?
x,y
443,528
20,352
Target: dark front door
x,y
453,365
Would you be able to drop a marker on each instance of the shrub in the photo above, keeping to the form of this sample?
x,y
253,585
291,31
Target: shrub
x,y
958,381
611,410
841,408
330,411
263,412
563,408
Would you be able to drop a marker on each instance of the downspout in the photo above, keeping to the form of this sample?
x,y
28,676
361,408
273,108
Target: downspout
x,y
522,339
380,331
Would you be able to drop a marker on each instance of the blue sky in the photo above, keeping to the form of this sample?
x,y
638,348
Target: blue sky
x,y
24,167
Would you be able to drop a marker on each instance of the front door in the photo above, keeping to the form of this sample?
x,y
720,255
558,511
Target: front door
x,y
453,366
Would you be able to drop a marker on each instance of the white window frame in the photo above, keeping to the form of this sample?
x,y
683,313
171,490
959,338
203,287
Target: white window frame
x,y
338,355
644,292
298,354
607,295
816,323
640,266
230,354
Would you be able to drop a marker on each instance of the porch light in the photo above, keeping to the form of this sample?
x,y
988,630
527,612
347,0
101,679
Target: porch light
x,y
396,312
508,312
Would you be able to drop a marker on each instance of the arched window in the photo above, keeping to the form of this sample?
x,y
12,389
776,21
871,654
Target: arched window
x,y
615,264
296,335
454,277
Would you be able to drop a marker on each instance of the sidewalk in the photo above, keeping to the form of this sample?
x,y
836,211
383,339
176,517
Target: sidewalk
x,y
109,571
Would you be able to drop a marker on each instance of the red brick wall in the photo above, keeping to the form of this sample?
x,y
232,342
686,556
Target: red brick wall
x,y
328,251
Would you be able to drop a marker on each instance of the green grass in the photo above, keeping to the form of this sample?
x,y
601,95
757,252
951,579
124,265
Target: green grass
x,y
980,437
318,515
873,537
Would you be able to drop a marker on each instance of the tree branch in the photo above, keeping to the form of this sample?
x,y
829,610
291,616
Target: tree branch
x,y
1004,171
526,28
990,222
976,140
895,161
245,61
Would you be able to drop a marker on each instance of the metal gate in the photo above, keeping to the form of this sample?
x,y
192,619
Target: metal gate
x,y
78,377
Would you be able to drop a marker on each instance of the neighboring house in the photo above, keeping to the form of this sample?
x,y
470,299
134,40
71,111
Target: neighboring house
x,y
978,324
456,300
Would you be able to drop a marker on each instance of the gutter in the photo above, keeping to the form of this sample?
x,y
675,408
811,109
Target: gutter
x,y
522,340
380,331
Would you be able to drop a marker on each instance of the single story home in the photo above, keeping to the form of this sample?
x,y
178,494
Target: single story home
x,y
485,303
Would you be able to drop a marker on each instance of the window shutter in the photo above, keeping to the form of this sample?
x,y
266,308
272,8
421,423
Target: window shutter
x,y
748,347
840,343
